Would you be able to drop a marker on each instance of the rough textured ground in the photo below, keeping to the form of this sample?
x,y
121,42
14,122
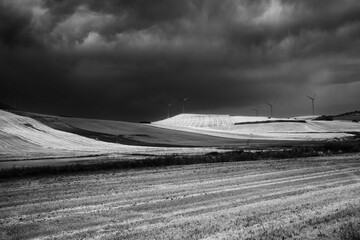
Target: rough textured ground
x,y
307,198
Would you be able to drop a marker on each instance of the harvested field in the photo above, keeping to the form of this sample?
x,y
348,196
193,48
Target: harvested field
x,y
132,133
260,128
305,198
23,139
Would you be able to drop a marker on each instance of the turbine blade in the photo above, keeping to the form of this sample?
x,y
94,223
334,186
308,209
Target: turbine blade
x,y
166,104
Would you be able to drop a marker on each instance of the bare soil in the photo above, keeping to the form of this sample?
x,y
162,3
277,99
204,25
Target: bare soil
x,y
304,198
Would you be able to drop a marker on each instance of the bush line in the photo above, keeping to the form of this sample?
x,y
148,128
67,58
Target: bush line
x,y
312,150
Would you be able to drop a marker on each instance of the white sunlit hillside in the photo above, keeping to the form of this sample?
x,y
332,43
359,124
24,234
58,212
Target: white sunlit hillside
x,y
218,120
24,138
243,127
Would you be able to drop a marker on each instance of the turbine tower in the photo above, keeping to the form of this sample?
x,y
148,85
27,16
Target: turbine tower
x,y
312,102
15,95
183,100
168,105
271,108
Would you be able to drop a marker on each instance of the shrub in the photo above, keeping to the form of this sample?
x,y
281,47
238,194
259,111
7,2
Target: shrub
x,y
238,155
350,231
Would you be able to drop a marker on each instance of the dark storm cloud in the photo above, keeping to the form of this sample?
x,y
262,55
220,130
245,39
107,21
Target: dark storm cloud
x,y
123,59
15,29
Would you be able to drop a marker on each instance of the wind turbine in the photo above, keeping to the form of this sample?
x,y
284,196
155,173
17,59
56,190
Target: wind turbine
x,y
183,100
168,105
15,94
271,107
312,102
256,110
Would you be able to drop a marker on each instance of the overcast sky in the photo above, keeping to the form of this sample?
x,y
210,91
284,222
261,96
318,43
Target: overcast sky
x,y
122,59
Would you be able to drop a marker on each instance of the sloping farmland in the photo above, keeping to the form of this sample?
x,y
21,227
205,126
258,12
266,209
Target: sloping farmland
x,y
23,138
260,128
133,133
149,134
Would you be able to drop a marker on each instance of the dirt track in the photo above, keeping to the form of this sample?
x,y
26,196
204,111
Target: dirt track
x,y
307,198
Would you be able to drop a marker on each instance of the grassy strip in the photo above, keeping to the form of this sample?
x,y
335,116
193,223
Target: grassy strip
x,y
327,148
271,121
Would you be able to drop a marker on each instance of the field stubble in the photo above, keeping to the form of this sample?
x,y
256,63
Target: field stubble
x,y
302,198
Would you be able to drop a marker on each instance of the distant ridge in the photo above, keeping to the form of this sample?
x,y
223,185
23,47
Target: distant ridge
x,y
7,106
127,133
348,113
350,116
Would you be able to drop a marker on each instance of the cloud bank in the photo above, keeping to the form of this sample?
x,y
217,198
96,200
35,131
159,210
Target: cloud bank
x,y
123,59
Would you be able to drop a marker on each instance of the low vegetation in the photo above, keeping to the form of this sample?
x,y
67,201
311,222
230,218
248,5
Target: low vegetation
x,y
272,121
305,150
350,231
353,116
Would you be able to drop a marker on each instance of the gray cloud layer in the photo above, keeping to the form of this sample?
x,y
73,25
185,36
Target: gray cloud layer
x,y
121,59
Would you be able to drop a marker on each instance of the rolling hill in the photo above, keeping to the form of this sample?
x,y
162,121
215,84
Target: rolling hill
x,y
260,128
30,136
24,138
130,133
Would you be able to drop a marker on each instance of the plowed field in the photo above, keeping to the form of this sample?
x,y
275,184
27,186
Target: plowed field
x,y
306,198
